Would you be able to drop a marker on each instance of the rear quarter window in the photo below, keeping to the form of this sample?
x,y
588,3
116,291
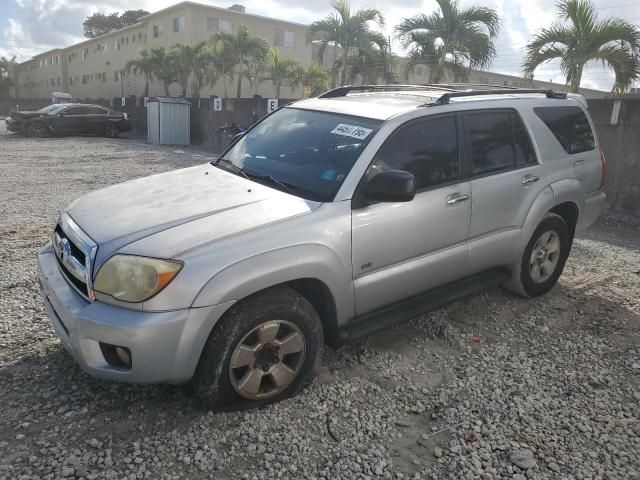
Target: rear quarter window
x,y
570,126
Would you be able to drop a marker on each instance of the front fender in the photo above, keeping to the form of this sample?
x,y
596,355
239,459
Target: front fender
x,y
264,270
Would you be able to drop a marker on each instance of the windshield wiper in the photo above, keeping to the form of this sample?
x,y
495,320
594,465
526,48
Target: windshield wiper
x,y
274,181
229,163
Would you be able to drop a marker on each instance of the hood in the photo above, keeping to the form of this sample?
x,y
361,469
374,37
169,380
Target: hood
x,y
121,214
27,114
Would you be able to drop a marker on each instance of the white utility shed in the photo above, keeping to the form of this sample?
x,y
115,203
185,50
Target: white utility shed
x,y
168,121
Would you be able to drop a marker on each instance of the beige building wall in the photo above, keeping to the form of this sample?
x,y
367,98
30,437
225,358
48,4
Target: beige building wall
x,y
94,68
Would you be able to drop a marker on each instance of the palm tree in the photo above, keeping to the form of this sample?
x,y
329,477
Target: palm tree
x,y
450,41
162,69
582,38
186,61
282,72
350,32
372,63
316,79
243,49
145,65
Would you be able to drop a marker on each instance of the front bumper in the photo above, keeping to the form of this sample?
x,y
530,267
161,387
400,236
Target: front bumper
x,y
165,346
14,125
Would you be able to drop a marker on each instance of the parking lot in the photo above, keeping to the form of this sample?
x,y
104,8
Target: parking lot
x,y
491,387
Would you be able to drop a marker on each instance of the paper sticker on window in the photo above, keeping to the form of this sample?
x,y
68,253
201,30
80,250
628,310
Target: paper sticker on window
x,y
352,131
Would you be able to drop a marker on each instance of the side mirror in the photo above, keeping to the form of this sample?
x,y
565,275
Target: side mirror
x,y
391,186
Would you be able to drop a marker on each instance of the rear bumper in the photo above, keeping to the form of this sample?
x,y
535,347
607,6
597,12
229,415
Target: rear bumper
x,y
165,346
592,207
125,126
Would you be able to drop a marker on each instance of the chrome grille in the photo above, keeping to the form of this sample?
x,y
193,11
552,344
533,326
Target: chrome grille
x,y
75,253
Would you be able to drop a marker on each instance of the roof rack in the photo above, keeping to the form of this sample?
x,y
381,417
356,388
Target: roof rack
x,y
344,91
444,99
486,86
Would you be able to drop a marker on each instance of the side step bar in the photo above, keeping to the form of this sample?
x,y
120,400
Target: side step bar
x,y
405,310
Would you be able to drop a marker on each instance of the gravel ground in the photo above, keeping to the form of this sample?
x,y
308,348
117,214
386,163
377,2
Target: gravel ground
x,y
490,387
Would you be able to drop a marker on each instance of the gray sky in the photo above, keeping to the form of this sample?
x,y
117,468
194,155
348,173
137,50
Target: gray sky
x,y
28,27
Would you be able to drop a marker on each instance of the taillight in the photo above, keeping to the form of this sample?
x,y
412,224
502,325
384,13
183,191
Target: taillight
x,y
603,161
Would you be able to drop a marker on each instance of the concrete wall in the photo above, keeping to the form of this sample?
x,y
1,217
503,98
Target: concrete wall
x,y
621,144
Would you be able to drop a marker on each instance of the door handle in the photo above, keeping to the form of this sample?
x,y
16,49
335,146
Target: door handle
x,y
529,179
456,198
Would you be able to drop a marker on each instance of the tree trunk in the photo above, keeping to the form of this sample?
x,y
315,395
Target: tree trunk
x,y
146,87
343,75
577,79
239,91
166,89
277,91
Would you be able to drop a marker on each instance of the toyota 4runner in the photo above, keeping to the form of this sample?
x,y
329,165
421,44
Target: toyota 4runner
x,y
329,220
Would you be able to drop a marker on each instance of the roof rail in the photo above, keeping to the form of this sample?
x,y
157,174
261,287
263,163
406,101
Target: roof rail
x,y
444,99
486,86
343,91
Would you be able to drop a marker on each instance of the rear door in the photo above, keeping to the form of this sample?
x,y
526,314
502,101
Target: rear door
x,y
94,119
506,177
571,127
403,249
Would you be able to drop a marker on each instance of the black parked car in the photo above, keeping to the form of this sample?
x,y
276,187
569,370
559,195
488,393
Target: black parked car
x,y
69,119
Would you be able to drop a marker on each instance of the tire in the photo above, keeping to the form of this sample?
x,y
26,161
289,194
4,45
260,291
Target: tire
x,y
37,130
111,131
531,281
279,314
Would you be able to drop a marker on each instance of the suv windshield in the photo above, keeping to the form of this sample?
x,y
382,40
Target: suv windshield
x,y
305,152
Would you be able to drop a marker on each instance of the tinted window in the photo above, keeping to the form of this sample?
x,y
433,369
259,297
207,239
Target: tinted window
x,y
525,154
570,126
94,111
491,140
426,148
74,111
312,152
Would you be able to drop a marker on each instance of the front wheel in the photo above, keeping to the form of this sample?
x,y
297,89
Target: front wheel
x,y
543,258
37,130
265,349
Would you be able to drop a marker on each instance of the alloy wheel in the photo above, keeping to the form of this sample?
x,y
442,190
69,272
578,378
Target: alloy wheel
x,y
267,359
545,256
37,130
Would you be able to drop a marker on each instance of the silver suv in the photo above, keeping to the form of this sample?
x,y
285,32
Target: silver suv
x,y
329,220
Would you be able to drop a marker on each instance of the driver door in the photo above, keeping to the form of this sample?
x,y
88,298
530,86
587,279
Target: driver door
x,y
403,249
67,121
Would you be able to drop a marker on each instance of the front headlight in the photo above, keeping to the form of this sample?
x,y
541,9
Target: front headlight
x,y
129,278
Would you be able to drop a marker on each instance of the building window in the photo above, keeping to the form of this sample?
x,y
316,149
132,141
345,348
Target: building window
x,y
219,25
58,81
284,39
85,53
419,71
140,37
178,24
116,76
157,30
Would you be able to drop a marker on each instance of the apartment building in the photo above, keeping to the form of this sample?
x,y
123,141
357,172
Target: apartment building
x,y
95,68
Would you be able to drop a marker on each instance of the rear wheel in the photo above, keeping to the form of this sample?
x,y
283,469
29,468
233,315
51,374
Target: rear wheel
x,y
265,349
37,130
111,131
543,258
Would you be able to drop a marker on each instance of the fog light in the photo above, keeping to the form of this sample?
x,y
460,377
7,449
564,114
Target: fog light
x,y
123,355
116,356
